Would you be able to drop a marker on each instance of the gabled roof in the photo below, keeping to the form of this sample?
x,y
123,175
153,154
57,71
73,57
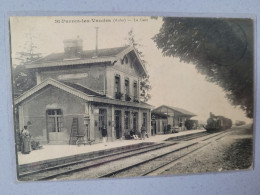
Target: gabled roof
x,y
79,91
180,110
87,57
83,89
102,53
73,89
161,114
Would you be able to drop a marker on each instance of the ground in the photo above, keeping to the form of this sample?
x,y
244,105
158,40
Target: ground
x,y
233,152
59,151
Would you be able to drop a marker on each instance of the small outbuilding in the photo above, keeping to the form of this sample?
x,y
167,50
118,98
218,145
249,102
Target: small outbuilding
x,y
169,119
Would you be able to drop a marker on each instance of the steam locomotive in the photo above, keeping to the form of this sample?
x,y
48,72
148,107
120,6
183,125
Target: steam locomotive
x,y
218,123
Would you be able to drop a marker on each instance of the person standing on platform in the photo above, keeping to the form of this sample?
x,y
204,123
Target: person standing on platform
x,y
104,134
143,131
26,141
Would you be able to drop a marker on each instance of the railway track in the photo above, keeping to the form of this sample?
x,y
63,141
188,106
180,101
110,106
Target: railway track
x,y
63,169
188,137
160,163
88,165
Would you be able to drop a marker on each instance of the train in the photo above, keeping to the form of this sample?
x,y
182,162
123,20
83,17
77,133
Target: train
x,y
218,123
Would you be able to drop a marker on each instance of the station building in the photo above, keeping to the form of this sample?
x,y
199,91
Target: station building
x,y
81,91
163,116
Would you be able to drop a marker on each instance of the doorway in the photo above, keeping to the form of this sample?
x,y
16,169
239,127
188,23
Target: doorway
x,y
118,126
135,121
54,123
154,131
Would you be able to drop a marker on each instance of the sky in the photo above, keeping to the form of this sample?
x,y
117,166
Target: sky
x,y
174,83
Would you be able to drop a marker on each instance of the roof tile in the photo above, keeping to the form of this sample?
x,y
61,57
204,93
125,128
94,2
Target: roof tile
x,y
108,52
181,110
83,89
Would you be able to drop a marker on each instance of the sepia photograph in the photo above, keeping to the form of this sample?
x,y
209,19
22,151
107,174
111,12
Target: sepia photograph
x,y
130,96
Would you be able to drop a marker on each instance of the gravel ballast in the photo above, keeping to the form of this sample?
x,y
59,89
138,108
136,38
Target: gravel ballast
x,y
232,152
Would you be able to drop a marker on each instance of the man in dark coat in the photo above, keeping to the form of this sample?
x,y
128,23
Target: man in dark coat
x,y
104,134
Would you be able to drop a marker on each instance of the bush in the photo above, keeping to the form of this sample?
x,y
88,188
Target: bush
x,y
136,100
119,95
191,124
127,97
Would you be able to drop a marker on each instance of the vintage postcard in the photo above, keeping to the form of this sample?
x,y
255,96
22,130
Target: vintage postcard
x,y
128,96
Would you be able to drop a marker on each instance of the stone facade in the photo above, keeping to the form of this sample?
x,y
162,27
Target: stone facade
x,y
85,88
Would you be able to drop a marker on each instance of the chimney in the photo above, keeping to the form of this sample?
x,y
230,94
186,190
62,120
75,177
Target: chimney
x,y
96,51
73,47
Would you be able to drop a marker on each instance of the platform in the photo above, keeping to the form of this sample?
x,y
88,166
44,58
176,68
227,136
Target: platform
x,y
49,152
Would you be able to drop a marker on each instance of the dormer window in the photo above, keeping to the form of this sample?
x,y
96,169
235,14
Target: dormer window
x,y
131,64
124,60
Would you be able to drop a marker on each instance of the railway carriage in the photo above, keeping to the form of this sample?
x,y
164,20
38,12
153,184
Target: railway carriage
x,y
218,123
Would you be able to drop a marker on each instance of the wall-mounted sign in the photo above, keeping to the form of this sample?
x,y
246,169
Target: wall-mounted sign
x,y
73,76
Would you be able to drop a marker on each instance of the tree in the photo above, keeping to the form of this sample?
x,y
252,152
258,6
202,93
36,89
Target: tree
x,y
145,86
24,79
221,49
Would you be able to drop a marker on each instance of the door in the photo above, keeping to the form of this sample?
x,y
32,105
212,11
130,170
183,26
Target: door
x,y
135,121
118,127
154,127
55,133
